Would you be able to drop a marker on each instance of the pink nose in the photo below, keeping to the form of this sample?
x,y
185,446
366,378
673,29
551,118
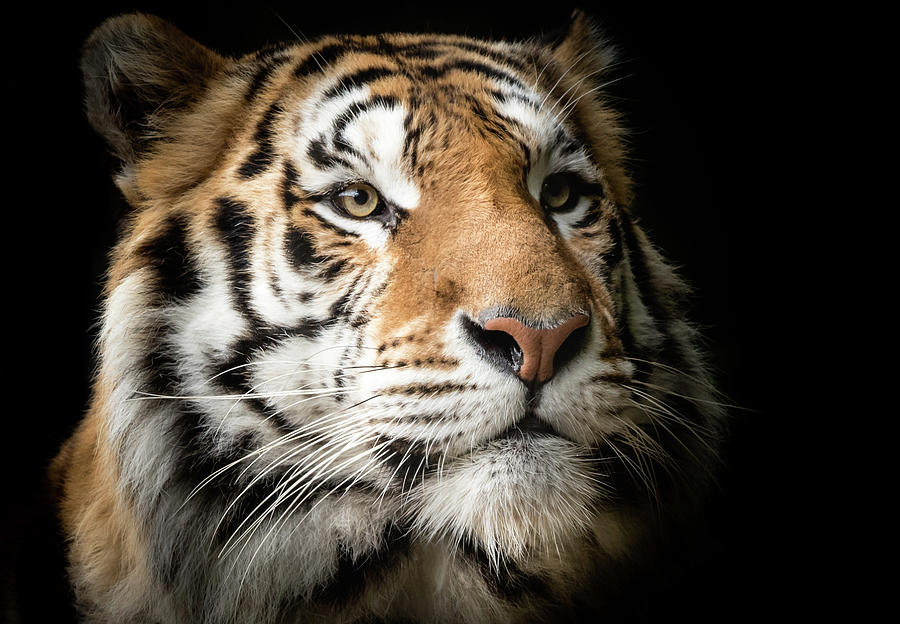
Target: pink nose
x,y
539,346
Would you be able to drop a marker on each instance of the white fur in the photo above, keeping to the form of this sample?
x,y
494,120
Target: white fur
x,y
516,497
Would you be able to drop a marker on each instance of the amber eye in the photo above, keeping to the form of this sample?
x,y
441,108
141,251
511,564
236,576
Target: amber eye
x,y
359,200
558,192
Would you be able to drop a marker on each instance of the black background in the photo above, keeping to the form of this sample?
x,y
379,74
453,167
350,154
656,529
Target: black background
x,y
710,95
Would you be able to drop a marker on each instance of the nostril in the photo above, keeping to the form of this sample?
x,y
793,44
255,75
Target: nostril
x,y
570,348
497,347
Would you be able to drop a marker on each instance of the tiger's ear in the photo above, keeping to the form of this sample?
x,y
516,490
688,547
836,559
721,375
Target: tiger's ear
x,y
581,46
584,58
139,71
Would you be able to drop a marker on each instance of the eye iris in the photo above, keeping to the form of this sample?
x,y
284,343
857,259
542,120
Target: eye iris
x,y
556,191
360,200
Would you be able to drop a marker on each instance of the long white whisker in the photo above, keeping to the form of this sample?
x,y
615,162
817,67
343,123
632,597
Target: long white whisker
x,y
677,419
334,440
563,75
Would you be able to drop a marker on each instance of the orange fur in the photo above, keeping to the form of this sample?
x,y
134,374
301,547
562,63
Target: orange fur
x,y
106,549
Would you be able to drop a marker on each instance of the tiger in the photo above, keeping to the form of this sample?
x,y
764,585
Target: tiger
x,y
381,339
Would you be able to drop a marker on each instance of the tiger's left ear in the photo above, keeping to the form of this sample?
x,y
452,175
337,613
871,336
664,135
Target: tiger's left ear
x,y
583,57
580,45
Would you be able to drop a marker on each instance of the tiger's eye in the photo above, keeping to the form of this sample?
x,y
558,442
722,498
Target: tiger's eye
x,y
557,192
359,200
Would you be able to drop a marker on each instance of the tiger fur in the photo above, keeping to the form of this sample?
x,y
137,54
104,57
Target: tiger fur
x,y
298,413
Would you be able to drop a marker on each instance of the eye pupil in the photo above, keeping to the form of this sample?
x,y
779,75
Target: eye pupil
x,y
361,197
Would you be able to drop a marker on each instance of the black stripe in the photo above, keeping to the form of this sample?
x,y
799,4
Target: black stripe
x,y
331,271
264,155
320,60
429,47
494,55
168,254
261,338
385,47
234,374
402,452
429,389
288,179
327,56
338,377
418,417
640,268
236,225
411,142
474,67
420,51
504,578
487,71
340,307
591,215
356,570
159,366
521,97
270,61
357,78
301,249
359,320
327,224
357,108
567,145
613,256
323,159
341,145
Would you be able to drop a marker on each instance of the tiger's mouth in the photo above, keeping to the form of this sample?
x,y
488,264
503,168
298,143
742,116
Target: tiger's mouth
x,y
527,426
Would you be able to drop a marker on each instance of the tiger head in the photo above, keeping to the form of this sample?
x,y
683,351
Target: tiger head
x,y
377,295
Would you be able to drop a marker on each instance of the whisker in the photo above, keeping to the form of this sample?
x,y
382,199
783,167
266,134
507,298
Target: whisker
x,y
563,75
693,399
147,396
334,440
310,485
705,383
257,453
571,104
665,413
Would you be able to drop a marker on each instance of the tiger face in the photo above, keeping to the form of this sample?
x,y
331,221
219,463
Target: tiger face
x,y
381,337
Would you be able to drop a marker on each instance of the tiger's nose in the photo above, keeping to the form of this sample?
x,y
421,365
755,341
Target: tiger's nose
x,y
530,352
539,346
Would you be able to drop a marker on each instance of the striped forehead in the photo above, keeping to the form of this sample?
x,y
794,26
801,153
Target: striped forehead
x,y
354,135
354,128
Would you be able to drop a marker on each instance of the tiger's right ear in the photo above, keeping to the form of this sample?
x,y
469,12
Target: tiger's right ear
x,y
139,71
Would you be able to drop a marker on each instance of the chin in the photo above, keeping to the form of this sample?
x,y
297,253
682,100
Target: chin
x,y
521,495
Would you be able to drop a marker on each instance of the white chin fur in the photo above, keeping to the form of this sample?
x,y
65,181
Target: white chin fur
x,y
517,496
